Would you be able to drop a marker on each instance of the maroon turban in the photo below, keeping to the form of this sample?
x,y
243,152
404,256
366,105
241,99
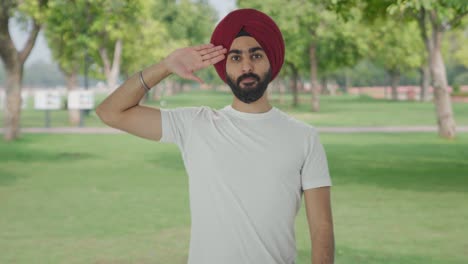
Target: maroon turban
x,y
258,25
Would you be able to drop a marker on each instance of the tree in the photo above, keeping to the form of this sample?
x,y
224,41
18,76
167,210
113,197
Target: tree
x,y
395,46
65,31
295,63
434,17
30,13
309,28
188,23
111,24
341,46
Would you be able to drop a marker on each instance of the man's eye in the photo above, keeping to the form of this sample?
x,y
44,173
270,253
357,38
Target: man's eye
x,y
235,58
257,56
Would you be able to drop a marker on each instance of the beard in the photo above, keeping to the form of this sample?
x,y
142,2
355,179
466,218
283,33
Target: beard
x,y
250,92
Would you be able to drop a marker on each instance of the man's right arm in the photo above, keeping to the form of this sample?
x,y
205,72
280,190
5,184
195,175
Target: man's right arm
x,y
121,109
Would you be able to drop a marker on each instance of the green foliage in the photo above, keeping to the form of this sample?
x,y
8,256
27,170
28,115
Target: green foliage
x,y
302,23
148,30
341,45
30,9
66,33
395,45
454,47
187,23
187,20
461,79
81,27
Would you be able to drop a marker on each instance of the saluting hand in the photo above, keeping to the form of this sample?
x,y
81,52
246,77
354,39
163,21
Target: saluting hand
x,y
185,61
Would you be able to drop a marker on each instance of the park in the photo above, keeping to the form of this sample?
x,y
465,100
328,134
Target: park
x,y
394,128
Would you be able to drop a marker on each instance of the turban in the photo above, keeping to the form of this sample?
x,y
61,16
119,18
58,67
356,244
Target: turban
x,y
258,25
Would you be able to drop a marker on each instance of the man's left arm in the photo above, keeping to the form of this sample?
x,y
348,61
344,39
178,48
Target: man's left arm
x,y
319,217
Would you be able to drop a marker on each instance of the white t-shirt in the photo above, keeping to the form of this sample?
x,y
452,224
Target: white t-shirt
x,y
247,173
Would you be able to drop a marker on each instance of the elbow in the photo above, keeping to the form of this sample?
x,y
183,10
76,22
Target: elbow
x,y
106,116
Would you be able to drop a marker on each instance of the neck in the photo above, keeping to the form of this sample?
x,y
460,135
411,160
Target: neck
x,y
262,105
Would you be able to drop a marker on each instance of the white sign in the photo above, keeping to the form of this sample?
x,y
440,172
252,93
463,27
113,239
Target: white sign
x,y
47,100
24,100
83,99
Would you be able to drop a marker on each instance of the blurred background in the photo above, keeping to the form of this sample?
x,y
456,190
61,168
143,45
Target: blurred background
x,y
386,83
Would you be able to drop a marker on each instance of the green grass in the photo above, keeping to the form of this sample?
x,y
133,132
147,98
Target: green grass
x,y
335,111
397,198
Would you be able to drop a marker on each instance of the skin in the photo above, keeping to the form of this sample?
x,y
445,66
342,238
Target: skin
x,y
246,56
122,110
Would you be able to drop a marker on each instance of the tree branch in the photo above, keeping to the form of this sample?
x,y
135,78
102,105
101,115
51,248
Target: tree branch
x,y
117,53
24,53
7,47
457,19
105,60
421,18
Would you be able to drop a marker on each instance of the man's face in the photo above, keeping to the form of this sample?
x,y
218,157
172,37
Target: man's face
x,y
248,70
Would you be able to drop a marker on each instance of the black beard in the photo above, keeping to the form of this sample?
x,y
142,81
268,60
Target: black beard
x,y
249,94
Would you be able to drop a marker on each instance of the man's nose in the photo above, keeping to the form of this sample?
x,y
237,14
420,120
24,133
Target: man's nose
x,y
247,66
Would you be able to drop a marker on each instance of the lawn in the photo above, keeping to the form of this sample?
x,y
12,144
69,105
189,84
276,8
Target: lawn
x,y
397,198
349,110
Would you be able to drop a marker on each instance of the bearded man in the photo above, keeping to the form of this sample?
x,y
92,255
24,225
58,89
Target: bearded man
x,y
249,164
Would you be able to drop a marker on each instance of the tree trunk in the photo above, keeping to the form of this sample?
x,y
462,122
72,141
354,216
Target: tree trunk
x,y
13,60
294,88
394,83
112,70
324,89
426,67
443,104
281,91
293,83
313,78
442,100
424,82
72,84
347,81
12,112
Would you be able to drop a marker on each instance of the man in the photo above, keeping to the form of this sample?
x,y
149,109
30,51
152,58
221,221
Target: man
x,y
248,163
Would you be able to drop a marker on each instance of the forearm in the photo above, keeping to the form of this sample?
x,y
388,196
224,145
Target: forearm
x,y
131,91
323,246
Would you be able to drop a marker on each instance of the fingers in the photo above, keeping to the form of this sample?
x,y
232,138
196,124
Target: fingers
x,y
203,46
213,60
214,54
209,50
194,78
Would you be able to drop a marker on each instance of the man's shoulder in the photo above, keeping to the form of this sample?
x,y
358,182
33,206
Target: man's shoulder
x,y
294,123
189,109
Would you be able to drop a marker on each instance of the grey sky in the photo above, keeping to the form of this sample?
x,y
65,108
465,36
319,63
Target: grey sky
x,y
42,52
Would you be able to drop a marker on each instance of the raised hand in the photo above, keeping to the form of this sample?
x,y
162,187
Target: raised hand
x,y
184,62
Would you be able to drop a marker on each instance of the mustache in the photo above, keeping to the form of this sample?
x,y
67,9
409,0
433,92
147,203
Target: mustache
x,y
247,75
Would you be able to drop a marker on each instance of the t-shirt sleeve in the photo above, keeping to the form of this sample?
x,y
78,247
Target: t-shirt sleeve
x,y
314,171
176,124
